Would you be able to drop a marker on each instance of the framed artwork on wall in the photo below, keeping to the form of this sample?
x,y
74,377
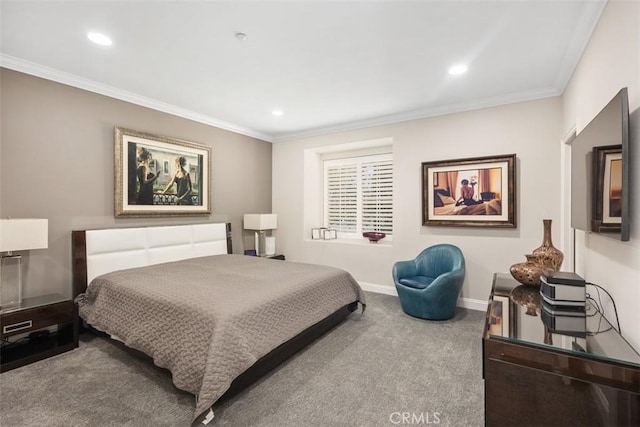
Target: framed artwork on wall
x,y
160,176
474,192
607,203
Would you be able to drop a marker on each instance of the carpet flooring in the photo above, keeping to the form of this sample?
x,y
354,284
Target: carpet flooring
x,y
383,368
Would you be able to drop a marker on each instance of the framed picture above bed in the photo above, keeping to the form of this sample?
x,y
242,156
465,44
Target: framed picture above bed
x,y
160,176
474,192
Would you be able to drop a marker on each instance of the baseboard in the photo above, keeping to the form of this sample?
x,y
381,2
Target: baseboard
x,y
468,303
472,304
379,289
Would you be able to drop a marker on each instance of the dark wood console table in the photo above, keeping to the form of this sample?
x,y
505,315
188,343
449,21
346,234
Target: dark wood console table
x,y
535,377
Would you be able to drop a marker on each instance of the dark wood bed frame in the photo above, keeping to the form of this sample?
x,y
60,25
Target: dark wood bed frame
x,y
264,365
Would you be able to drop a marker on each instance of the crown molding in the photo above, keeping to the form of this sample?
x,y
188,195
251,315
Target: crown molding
x,y
422,114
31,68
48,73
579,40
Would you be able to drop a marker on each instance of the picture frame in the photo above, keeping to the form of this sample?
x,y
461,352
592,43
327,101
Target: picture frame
x,y
317,233
472,192
329,234
607,201
160,176
323,233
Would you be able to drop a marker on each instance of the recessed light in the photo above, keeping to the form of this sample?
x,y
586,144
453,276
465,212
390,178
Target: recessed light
x,y
277,112
241,36
456,70
100,39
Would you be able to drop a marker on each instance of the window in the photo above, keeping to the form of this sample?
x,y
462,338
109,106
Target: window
x,y
358,194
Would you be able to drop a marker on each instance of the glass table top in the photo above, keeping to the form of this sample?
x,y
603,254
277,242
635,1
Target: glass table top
x,y
33,302
517,313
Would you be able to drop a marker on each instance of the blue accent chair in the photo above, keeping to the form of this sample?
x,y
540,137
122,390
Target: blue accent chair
x,y
429,285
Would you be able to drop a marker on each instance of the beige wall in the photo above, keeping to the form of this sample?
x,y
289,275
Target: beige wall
x,y
611,61
57,162
530,129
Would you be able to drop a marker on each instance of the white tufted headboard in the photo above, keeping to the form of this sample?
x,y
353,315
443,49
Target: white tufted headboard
x,y
97,252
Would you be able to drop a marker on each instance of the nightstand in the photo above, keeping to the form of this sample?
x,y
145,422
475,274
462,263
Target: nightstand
x,y
37,313
278,256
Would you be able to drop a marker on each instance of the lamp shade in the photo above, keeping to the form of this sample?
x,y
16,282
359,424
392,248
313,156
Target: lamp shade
x,y
23,234
260,221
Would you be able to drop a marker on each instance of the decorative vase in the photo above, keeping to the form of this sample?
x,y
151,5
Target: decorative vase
x,y
548,256
528,297
528,273
548,336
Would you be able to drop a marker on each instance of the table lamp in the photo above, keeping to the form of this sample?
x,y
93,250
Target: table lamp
x,y
260,223
17,235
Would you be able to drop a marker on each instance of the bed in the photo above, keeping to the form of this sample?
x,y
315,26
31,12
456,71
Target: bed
x,y
216,320
444,204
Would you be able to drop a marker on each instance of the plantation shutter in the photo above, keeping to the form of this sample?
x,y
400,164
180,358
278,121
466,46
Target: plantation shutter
x,y
377,196
359,194
342,197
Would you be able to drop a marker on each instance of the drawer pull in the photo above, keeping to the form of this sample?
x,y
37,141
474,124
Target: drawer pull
x,y
17,326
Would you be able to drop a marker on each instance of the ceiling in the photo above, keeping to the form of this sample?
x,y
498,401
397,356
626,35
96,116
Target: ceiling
x,y
328,66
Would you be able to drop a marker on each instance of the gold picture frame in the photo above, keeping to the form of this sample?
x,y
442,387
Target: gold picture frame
x,y
160,176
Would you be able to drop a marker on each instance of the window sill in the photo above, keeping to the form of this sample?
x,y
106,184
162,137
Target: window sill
x,y
360,242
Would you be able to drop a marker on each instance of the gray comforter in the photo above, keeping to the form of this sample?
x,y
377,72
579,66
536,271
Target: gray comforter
x,y
209,319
